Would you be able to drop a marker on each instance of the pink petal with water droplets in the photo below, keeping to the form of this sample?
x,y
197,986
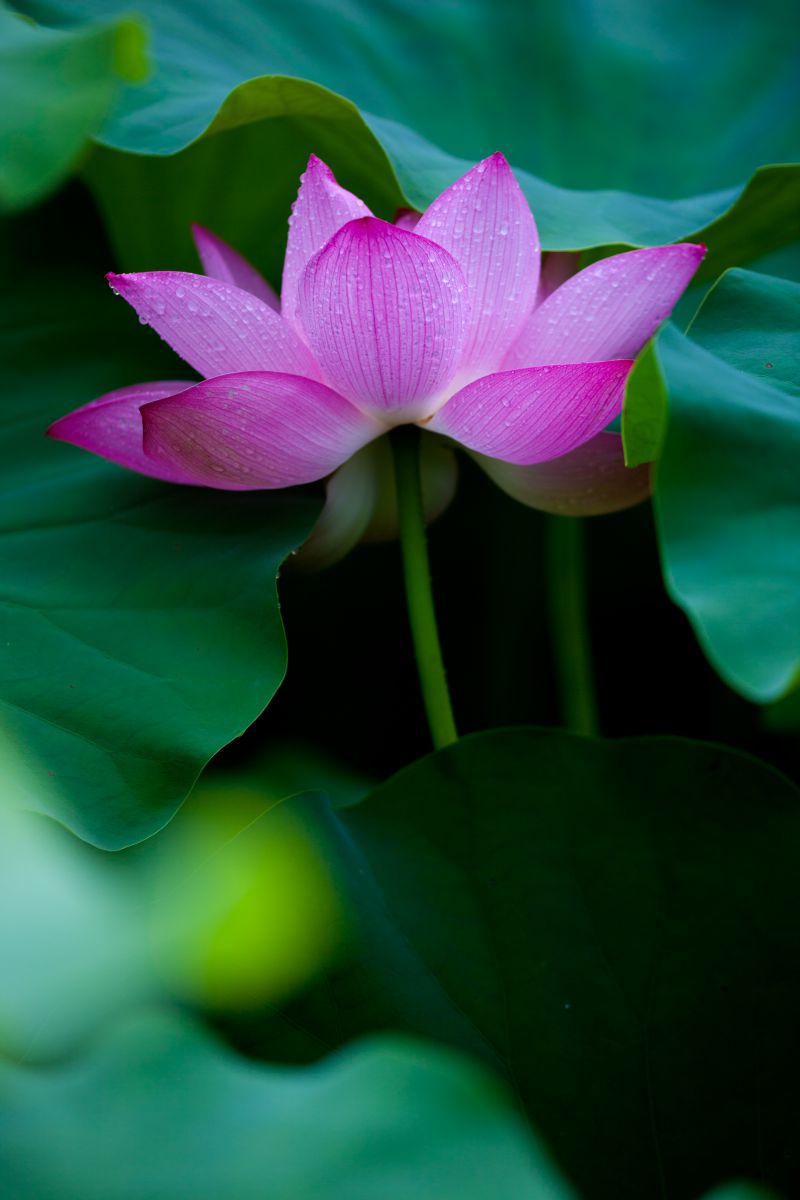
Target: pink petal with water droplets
x,y
215,327
321,209
586,482
221,261
484,221
608,310
256,429
532,415
385,313
112,427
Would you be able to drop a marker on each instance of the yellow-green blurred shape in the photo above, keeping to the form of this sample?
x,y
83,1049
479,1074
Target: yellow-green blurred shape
x,y
245,912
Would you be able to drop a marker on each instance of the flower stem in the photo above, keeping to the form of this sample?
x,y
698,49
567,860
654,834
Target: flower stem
x,y
566,576
405,441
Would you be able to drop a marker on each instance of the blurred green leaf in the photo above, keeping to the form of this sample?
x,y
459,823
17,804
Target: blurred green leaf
x,y
741,1191
157,1110
612,924
71,938
152,607
56,90
728,485
226,909
550,86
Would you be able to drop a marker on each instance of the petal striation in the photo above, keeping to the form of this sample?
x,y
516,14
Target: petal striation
x,y
215,327
531,415
485,222
256,429
609,309
385,313
321,209
111,427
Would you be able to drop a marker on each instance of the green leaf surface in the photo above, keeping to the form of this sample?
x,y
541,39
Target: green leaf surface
x,y
644,410
157,1110
728,485
141,624
658,98
612,924
420,75
56,90
221,182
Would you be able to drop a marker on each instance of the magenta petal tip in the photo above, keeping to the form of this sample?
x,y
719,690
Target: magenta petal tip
x,y
498,159
315,163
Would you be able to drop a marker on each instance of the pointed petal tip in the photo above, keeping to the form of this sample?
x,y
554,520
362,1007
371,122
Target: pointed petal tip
x,y
696,250
498,159
66,428
318,167
369,227
118,282
201,236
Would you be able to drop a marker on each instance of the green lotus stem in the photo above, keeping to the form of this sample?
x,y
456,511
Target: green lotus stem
x,y
405,442
566,580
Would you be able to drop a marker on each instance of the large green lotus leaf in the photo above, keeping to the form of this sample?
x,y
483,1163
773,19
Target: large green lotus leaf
x,y
728,485
141,625
56,90
421,75
221,181
612,924
158,1110
669,97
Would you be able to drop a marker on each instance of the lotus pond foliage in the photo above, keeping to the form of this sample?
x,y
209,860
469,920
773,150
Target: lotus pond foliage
x,y
401,632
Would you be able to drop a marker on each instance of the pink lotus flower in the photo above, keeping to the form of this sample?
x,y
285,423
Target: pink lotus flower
x,y
441,320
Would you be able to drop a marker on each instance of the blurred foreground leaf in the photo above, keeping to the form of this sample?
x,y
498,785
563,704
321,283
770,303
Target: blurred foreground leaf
x,y
56,90
157,1110
227,910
